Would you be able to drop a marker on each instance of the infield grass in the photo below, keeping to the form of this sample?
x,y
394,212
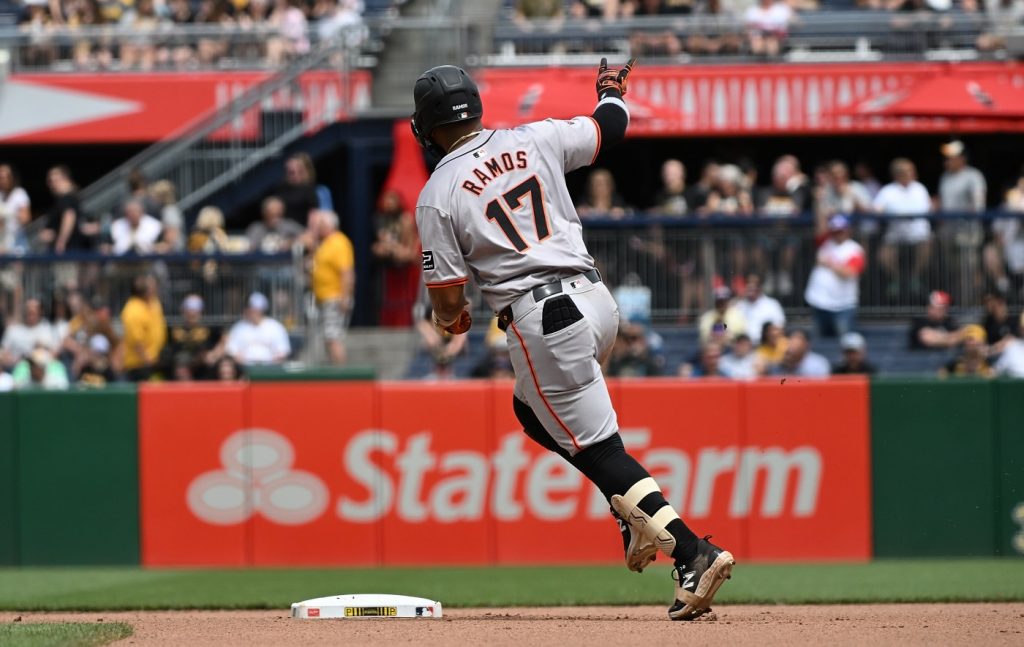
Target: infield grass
x,y
70,634
90,588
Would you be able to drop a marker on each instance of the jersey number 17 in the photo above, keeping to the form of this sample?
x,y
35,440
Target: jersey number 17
x,y
514,199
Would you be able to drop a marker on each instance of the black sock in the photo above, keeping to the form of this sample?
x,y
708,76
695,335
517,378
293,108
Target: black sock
x,y
613,471
686,541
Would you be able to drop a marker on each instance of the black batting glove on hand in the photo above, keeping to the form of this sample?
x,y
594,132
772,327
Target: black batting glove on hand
x,y
613,82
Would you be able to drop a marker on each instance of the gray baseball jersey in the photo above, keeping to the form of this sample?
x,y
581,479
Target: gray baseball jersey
x,y
498,208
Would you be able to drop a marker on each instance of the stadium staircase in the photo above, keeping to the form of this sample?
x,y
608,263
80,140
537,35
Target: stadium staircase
x,y
205,156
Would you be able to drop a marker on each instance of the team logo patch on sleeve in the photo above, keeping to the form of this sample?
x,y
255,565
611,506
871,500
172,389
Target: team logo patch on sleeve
x,y
428,260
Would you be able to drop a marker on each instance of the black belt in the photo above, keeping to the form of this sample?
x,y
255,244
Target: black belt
x,y
505,317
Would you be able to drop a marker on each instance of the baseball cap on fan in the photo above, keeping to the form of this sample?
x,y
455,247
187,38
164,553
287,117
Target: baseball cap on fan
x,y
194,303
838,222
852,341
722,293
939,298
257,301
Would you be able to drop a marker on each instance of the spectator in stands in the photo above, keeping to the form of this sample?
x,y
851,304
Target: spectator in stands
x,y
208,236
30,330
291,41
833,289
799,360
136,233
1004,19
671,199
840,194
228,370
725,313
299,191
15,212
741,362
973,358
788,196
606,9
767,27
145,329
172,231
709,364
497,363
962,190
935,330
526,11
193,342
652,40
906,201
601,199
757,309
631,355
697,195
1011,362
273,233
789,193
862,173
67,229
854,361
92,319
97,369
257,338
396,254
333,282
1000,327
1004,255
140,51
772,348
962,187
337,17
729,197
39,370
215,13
441,346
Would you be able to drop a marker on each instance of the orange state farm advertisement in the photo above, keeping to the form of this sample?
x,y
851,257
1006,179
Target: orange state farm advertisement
x,y
386,473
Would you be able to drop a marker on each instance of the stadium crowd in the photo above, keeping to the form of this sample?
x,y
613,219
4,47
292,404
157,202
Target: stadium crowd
x,y
273,31
763,27
69,334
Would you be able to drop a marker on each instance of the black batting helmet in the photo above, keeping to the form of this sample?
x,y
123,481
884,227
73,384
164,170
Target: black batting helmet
x,y
444,95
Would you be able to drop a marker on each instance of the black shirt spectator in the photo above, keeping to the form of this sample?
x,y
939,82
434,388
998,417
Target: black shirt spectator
x,y
917,324
66,228
193,343
299,189
998,323
854,360
936,329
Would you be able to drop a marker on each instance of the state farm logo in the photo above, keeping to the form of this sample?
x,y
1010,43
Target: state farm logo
x,y
257,479
407,478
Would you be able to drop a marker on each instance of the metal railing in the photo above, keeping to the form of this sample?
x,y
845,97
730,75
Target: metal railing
x,y
209,154
813,36
681,261
171,47
223,281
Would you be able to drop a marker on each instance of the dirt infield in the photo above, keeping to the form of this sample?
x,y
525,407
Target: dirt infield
x,y
974,624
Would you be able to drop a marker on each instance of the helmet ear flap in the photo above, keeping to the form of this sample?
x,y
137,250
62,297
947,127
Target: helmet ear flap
x,y
425,142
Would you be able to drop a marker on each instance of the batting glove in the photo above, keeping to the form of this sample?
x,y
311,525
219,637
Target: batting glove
x,y
613,80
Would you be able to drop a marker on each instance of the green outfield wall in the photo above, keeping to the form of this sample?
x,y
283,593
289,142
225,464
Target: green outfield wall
x,y
8,481
77,492
947,472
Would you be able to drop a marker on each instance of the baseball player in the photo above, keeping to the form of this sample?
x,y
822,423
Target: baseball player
x,y
497,207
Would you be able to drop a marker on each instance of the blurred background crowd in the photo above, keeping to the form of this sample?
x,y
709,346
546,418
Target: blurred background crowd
x,y
827,226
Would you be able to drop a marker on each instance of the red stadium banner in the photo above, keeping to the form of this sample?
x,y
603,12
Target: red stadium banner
x,y
740,99
83,108
385,473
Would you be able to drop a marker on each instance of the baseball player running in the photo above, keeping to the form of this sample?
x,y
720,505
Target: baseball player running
x,y
497,207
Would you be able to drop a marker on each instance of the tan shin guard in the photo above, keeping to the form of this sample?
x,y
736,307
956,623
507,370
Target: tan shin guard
x,y
653,528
